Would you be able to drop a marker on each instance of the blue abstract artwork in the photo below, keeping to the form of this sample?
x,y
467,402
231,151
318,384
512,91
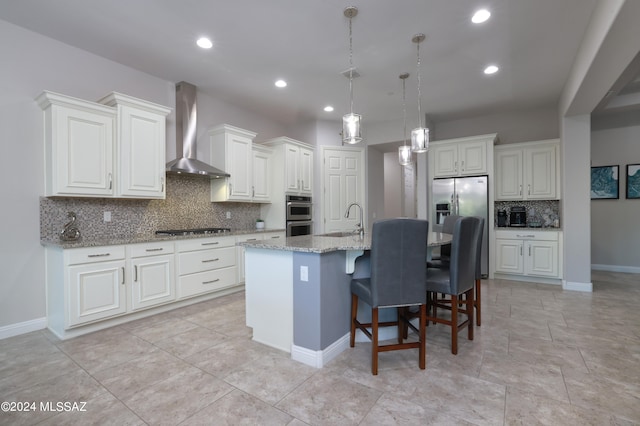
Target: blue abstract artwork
x,y
633,180
604,182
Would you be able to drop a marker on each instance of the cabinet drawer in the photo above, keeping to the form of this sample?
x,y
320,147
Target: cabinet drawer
x,y
249,237
205,243
204,282
94,254
527,234
206,260
150,249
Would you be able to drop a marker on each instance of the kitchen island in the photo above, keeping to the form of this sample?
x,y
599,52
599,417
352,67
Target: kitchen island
x,y
297,292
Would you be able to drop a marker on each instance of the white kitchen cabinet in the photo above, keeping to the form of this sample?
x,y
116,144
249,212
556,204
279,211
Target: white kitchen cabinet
x,y
151,274
231,151
79,146
140,140
293,166
266,235
528,171
461,157
261,174
94,286
528,253
206,265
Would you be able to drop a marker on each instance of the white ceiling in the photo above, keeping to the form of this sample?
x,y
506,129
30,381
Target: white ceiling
x,y
306,42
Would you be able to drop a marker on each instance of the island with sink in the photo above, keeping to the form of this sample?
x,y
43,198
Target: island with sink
x,y
297,291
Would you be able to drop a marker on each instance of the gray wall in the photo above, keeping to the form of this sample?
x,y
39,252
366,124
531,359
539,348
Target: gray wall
x,y
615,234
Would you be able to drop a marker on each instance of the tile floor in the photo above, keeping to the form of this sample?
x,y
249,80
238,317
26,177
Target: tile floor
x,y
541,356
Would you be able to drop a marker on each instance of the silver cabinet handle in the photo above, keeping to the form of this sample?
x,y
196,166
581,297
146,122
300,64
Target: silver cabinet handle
x,y
211,260
99,255
455,166
276,237
162,184
123,275
155,249
529,250
253,191
462,167
520,250
110,181
529,189
252,239
230,189
520,192
211,244
135,273
211,282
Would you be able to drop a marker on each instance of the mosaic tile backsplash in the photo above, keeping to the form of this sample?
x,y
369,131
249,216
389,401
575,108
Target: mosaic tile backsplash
x,y
543,211
187,205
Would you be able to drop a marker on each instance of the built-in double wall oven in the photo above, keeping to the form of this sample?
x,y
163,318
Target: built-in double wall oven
x,y
299,215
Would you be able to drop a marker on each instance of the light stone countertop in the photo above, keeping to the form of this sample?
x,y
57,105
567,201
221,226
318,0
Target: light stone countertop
x,y
328,243
136,239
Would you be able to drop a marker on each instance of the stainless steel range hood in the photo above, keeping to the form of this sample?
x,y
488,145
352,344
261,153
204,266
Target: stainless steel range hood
x,y
186,129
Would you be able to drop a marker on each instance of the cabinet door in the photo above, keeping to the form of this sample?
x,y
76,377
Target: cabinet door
x,y
152,281
261,176
445,160
540,173
240,253
141,137
542,258
292,168
508,174
82,144
306,171
509,255
96,291
239,167
472,158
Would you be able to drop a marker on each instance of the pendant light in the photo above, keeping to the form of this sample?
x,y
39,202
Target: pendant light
x,y
351,131
405,156
419,135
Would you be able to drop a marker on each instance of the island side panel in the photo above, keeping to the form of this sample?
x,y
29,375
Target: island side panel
x,y
269,296
322,304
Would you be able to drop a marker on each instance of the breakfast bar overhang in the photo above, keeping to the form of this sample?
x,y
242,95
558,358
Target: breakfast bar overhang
x,y
298,292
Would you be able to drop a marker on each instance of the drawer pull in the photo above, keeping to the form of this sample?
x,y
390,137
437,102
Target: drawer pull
x,y
211,282
155,249
252,239
276,237
525,236
123,275
211,244
99,255
211,260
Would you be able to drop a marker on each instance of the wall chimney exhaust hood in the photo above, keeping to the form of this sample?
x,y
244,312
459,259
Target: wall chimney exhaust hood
x,y
186,129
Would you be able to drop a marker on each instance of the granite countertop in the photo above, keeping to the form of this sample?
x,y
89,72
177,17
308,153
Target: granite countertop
x,y
136,239
525,228
329,243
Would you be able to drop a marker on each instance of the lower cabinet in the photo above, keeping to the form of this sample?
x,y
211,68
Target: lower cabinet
x,y
206,265
151,274
528,253
253,237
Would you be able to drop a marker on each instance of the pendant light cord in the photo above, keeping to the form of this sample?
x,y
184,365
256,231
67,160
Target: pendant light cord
x,y
404,113
419,93
350,66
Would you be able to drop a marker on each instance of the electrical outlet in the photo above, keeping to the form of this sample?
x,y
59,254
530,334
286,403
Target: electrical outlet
x,y
107,216
228,215
304,273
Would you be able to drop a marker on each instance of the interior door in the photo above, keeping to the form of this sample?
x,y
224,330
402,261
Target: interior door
x,y
343,184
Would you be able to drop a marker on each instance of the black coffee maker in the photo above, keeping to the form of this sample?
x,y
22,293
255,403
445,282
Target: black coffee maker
x,y
502,218
518,216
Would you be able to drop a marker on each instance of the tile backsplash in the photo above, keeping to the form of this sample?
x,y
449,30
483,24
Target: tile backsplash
x,y
544,211
187,205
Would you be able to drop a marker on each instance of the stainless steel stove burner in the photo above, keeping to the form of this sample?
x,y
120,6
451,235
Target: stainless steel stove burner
x,y
195,231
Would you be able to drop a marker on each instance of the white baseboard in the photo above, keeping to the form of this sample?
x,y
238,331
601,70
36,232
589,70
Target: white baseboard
x,y
616,268
576,286
318,359
23,327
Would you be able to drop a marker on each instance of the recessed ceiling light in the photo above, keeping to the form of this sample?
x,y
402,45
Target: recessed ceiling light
x,y
480,16
491,69
328,108
281,83
204,43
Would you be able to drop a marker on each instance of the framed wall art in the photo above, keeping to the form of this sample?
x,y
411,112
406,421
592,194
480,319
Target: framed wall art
x,y
604,183
633,181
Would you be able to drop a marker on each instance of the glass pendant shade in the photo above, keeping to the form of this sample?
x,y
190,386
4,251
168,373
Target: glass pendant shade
x,y
351,133
404,155
420,139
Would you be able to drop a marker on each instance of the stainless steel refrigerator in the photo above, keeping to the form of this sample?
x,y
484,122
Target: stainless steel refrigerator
x,y
466,196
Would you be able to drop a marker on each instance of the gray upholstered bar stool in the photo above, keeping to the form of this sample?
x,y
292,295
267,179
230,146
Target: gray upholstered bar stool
x,y
397,280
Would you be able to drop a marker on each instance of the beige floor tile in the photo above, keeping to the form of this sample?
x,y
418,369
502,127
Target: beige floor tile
x,y
163,329
191,341
541,352
102,410
329,399
238,408
24,376
177,398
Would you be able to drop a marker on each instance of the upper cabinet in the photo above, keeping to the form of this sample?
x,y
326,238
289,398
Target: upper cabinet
x,y
115,148
293,166
141,141
232,150
461,157
528,171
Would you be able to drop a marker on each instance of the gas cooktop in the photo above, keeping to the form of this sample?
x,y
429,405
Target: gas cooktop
x,y
194,231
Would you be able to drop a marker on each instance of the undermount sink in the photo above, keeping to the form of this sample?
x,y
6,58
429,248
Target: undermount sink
x,y
340,234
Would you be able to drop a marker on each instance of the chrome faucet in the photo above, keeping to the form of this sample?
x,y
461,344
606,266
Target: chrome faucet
x,y
359,226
